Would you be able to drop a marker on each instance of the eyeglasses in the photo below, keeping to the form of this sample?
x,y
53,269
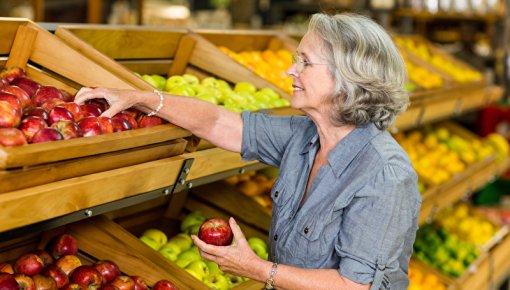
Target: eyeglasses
x,y
301,64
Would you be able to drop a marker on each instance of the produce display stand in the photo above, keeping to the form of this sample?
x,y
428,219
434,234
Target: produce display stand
x,y
100,239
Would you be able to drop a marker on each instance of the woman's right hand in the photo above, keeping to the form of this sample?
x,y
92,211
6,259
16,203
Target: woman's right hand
x,y
117,99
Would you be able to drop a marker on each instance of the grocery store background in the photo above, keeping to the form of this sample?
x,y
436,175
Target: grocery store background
x,y
456,130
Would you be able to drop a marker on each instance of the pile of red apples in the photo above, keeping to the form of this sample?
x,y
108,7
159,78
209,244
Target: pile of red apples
x,y
58,267
33,113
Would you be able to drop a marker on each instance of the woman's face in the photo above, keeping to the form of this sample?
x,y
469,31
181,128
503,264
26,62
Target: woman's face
x,y
312,80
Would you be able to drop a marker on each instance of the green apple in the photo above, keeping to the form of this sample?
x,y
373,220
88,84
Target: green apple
x,y
262,97
199,89
247,96
182,240
208,97
210,82
270,92
192,219
245,87
160,80
277,103
150,80
174,81
250,107
223,85
198,269
233,280
193,230
150,242
217,282
191,79
157,235
188,256
258,245
235,98
182,90
214,269
170,251
233,107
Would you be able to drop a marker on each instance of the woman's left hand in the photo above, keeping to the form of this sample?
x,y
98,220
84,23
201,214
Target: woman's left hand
x,y
238,258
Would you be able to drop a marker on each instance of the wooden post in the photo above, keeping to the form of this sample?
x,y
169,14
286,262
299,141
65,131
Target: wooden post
x,y
95,11
22,47
182,56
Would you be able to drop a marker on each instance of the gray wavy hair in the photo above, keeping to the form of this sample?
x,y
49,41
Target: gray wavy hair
x,y
369,70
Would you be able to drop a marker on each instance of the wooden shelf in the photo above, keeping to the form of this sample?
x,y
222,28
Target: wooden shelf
x,y
428,16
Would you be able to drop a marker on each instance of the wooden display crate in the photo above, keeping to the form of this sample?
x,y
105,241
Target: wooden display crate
x,y
100,239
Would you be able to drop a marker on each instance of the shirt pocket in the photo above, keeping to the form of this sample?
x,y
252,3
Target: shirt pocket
x,y
279,194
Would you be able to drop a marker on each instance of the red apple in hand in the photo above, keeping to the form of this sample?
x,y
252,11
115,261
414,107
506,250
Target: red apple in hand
x,y
23,96
61,245
44,282
31,125
123,282
164,285
140,283
108,270
45,256
24,282
12,73
45,93
102,104
27,85
87,277
47,135
28,264
12,137
6,268
36,111
57,274
7,282
216,231
68,263
91,110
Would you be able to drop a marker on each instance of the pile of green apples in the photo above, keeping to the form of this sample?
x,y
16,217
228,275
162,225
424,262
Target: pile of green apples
x,y
243,96
181,250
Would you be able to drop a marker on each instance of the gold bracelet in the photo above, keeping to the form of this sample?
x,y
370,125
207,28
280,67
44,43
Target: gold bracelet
x,y
272,273
161,99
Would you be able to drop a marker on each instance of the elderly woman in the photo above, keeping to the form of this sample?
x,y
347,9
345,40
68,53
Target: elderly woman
x,y
346,201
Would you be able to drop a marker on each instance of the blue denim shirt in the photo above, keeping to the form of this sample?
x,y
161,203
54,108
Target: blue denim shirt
x,y
361,213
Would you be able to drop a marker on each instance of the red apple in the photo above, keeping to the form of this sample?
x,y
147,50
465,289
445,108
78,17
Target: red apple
x,y
87,277
101,103
108,270
106,123
61,245
216,231
9,115
44,93
24,282
36,111
12,137
23,96
140,283
120,124
12,73
6,268
128,117
164,285
51,103
44,282
45,256
28,264
68,129
108,287
149,121
57,274
68,263
60,114
74,109
67,96
72,286
3,82
12,99
7,282
91,126
31,125
47,135
91,110
123,283
27,85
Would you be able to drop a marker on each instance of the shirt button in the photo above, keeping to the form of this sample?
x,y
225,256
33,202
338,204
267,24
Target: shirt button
x,y
276,194
275,237
306,230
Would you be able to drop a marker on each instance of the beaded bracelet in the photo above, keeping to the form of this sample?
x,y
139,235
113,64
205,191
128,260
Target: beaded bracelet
x,y
160,106
272,273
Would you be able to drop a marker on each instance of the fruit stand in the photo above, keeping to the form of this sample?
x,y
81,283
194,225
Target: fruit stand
x,y
107,189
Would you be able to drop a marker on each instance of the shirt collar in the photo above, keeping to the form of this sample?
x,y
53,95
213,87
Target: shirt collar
x,y
314,138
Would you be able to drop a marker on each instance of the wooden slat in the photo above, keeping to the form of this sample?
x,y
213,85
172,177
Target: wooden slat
x,y
38,175
49,80
250,285
66,149
186,47
35,204
22,47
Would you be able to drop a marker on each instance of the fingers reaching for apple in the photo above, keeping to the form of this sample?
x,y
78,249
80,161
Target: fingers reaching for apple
x,y
118,100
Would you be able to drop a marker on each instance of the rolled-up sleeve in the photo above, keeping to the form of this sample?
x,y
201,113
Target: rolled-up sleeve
x,y
379,222
264,137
